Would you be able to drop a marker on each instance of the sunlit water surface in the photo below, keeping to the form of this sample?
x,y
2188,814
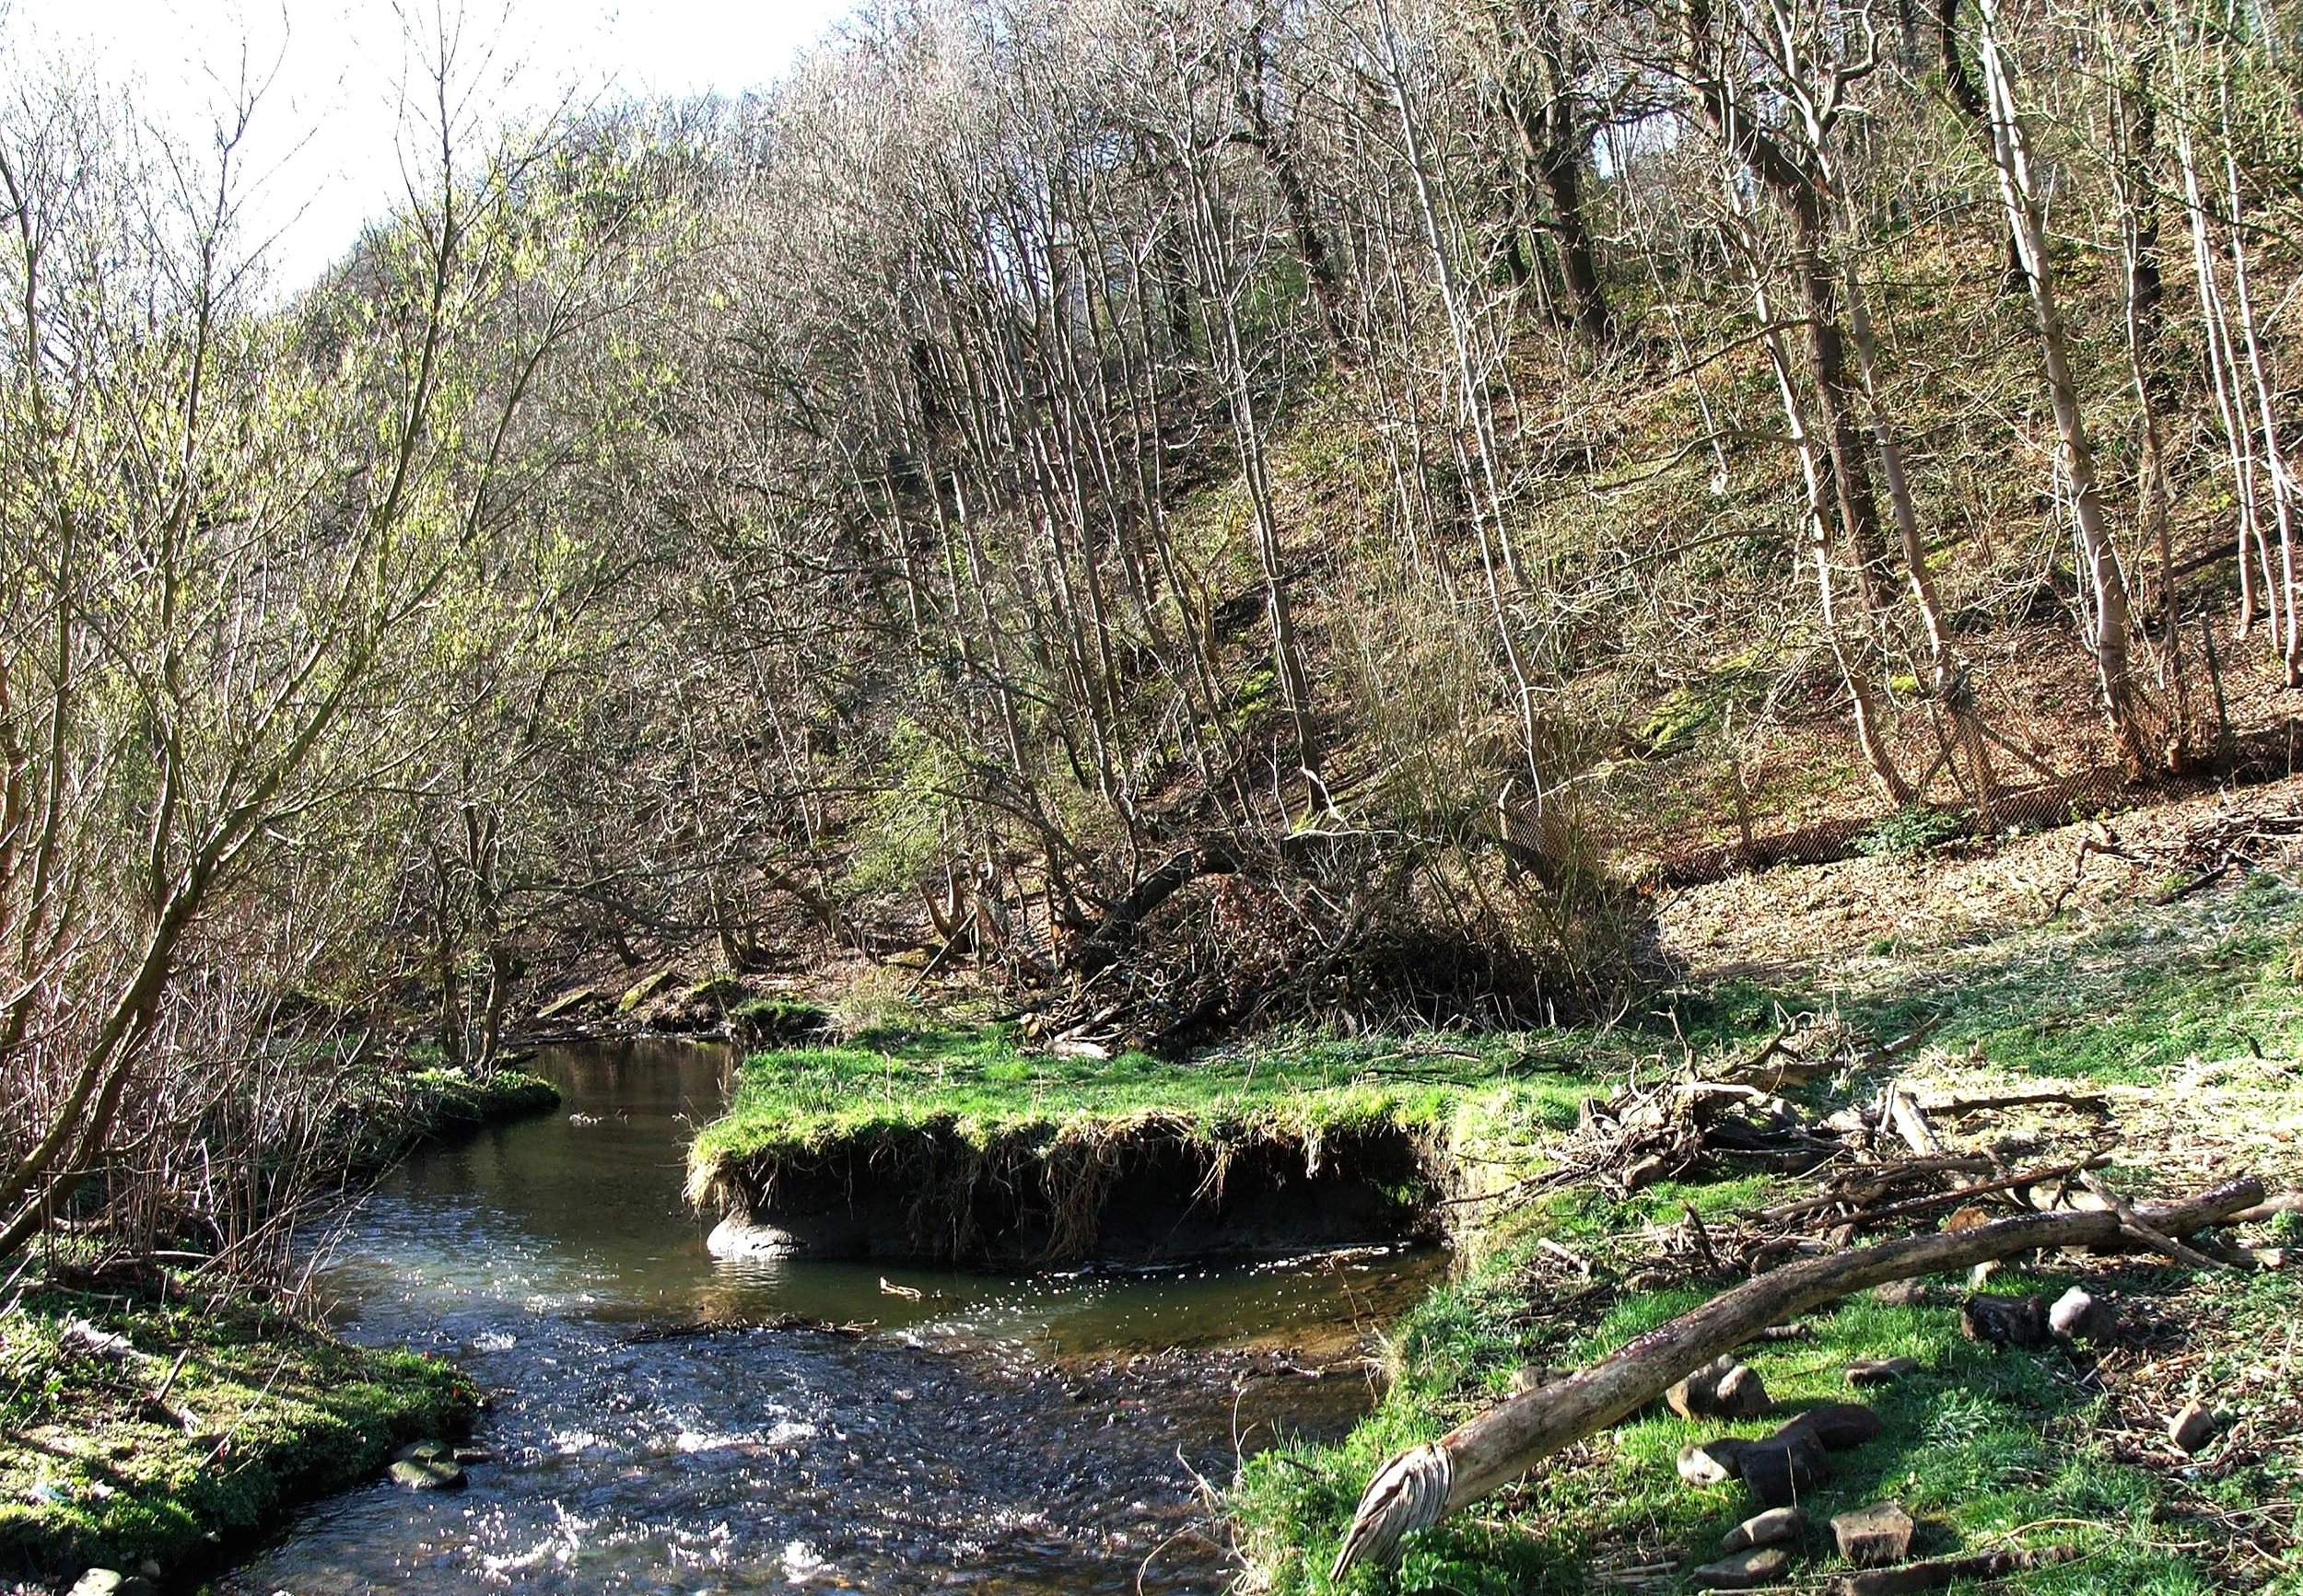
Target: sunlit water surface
x,y
653,1430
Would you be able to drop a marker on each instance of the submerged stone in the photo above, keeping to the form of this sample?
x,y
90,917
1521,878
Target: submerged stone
x,y
419,1475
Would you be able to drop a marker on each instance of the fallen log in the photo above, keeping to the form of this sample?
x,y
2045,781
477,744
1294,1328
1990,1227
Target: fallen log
x,y
1423,1485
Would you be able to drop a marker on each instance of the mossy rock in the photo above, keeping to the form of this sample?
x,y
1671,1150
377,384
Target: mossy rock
x,y
572,1002
776,1021
699,1007
647,987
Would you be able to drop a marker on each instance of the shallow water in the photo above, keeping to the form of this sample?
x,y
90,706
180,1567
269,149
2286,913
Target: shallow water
x,y
650,1434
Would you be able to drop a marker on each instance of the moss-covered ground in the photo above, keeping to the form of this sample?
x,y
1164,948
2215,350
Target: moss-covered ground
x,y
1499,1093
264,1412
426,1104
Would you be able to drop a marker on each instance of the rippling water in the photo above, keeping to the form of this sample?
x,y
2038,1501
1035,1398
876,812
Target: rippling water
x,y
994,1435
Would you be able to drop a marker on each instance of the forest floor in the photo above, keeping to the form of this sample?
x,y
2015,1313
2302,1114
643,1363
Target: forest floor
x,y
152,1420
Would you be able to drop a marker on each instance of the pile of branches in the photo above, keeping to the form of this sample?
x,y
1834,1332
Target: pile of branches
x,y
1351,931
1683,1126
2208,851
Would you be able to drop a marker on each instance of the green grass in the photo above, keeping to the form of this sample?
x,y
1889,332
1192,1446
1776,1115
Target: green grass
x,y
1986,1448
980,1085
2127,1000
88,1475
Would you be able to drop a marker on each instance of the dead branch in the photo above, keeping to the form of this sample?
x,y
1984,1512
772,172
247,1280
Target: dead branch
x,y
2149,1234
1425,1484
1899,1111
2083,1103
2016,1182
1860,1187
1943,1571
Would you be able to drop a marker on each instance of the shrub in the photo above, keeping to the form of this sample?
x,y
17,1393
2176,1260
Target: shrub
x,y
1911,831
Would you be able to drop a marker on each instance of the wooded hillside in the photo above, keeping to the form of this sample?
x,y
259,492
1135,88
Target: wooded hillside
x,y
1205,514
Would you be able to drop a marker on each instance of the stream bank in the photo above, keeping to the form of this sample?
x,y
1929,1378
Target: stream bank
x,y
956,1146
155,1418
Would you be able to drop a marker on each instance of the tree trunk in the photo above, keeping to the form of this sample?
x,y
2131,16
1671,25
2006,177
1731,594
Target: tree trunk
x,y
2107,583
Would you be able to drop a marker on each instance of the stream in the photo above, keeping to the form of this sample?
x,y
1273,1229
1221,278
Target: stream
x,y
651,1431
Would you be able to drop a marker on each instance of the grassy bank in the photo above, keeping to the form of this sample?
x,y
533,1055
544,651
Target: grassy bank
x,y
429,1104
1986,1449
964,1114
266,1411
263,1414
2187,1015
981,1085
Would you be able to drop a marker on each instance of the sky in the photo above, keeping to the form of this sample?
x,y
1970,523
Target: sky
x,y
320,153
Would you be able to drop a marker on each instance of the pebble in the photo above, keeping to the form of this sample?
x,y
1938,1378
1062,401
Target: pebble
x,y
1785,1466
1741,1394
1771,1528
1712,1463
1838,1424
2076,1313
1721,1389
1903,1293
111,1582
2193,1427
1875,1536
2005,1321
1747,1571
